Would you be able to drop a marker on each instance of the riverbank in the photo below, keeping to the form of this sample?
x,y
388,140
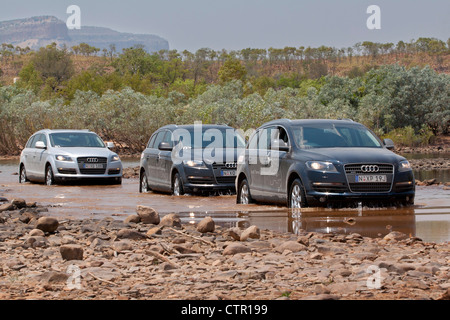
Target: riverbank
x,y
149,256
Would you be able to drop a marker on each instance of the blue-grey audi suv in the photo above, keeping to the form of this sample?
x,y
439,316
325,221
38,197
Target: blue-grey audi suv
x,y
304,163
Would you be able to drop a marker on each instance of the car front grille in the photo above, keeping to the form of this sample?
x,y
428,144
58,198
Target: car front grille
x,y
357,168
92,160
218,168
353,170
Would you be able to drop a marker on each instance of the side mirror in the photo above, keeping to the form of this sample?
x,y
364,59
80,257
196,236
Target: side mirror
x,y
165,146
280,145
40,145
389,144
110,145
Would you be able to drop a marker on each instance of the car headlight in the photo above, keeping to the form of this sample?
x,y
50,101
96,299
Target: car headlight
x,y
194,163
115,158
63,158
404,166
321,166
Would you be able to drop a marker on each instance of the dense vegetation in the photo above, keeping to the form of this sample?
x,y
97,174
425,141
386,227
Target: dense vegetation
x,y
126,96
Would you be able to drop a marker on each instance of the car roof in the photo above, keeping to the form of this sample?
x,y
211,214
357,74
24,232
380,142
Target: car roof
x,y
191,126
63,131
288,122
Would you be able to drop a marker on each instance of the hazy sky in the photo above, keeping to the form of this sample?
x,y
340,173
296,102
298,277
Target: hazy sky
x,y
238,24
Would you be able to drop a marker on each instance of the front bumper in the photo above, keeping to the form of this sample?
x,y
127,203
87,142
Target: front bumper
x,y
207,179
321,189
71,171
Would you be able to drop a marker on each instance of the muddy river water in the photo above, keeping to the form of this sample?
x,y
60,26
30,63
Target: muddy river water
x,y
428,220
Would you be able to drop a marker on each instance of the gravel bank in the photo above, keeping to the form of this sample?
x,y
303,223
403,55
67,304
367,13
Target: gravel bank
x,y
109,259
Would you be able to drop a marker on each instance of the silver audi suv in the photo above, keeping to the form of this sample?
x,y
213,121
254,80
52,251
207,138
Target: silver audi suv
x,y
53,156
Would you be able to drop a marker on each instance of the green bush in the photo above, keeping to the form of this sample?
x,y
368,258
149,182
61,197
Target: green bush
x,y
407,137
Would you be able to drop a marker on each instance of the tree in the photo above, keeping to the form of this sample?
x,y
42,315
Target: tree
x,y
52,62
30,78
232,70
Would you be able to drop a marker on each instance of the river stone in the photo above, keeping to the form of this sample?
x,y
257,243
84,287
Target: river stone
x,y
234,233
293,246
19,203
71,252
206,225
148,215
235,248
36,232
252,232
6,207
123,246
154,231
130,234
171,220
134,218
47,224
395,236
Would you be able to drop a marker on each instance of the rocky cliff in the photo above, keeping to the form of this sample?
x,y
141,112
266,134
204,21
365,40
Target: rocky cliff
x,y
40,31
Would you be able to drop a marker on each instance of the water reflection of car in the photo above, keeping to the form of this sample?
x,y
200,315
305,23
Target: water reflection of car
x,y
190,158
320,162
53,156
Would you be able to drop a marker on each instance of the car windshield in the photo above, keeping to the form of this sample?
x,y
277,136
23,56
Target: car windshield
x,y
334,136
213,138
76,140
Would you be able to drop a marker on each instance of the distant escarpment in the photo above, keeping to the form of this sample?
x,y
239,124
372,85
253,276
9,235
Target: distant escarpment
x,y
41,31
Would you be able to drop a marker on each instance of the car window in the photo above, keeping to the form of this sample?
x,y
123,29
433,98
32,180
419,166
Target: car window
x,y
151,142
30,143
334,136
264,140
253,143
159,139
76,140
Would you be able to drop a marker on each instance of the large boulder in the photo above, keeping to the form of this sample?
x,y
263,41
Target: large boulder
x,y
71,252
47,224
206,225
148,215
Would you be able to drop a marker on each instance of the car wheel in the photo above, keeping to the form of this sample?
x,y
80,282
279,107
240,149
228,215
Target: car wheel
x,y
143,187
23,175
244,196
177,186
297,195
49,177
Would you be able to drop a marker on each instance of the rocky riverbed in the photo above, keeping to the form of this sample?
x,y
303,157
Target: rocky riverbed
x,y
148,256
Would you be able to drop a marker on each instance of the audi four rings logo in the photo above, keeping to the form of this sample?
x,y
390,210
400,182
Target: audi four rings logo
x,y
92,160
231,165
371,169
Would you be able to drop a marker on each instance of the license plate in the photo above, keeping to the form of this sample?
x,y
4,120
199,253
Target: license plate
x,y
93,166
228,173
371,178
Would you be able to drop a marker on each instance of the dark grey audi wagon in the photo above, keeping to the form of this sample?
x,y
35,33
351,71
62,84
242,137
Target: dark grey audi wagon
x,y
191,158
322,162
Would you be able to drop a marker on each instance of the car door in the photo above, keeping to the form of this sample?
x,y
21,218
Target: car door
x,y
27,157
278,165
258,150
40,159
154,170
35,155
164,162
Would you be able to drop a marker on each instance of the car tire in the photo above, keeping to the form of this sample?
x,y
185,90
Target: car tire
x,y
143,183
177,185
23,175
244,195
49,177
297,197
